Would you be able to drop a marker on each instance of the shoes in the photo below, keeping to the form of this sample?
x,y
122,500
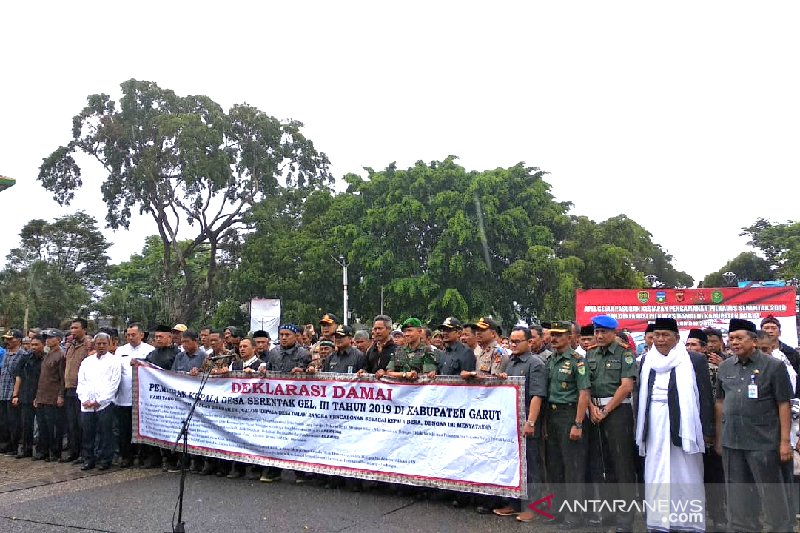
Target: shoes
x,y
527,516
505,511
38,457
235,473
87,466
24,454
10,452
483,510
68,459
266,477
104,466
254,474
149,463
220,473
78,461
171,468
208,469
125,463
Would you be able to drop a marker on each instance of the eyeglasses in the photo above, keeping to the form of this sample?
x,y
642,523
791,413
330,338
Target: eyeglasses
x,y
511,341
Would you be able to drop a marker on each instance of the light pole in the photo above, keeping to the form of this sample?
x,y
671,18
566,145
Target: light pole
x,y
341,262
729,277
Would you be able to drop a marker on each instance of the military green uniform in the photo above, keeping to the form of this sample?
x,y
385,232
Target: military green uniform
x,y
567,375
420,359
612,456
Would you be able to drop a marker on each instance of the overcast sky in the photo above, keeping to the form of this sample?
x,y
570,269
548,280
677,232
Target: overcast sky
x,y
685,116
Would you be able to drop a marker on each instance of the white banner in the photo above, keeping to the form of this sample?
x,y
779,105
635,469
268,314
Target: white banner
x,y
444,433
265,313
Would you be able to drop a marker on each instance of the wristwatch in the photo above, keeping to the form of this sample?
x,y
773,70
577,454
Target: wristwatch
x,y
578,425
529,423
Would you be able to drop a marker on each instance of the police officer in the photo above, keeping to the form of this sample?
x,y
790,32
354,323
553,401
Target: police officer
x,y
491,358
568,397
414,358
613,370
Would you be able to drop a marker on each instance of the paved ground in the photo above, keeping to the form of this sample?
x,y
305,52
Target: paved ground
x,y
50,497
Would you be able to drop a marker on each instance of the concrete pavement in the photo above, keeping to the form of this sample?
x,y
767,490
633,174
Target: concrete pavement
x,y
51,497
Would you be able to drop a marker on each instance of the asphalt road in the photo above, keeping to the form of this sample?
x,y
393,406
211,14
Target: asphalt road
x,y
49,497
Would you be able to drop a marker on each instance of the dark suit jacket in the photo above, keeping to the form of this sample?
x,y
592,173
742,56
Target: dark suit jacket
x,y
703,379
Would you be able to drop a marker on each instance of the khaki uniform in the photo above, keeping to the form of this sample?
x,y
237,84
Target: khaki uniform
x,y
491,361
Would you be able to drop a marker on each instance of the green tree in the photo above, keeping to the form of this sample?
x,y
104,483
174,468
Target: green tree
x,y
747,266
72,245
185,162
780,244
137,290
618,253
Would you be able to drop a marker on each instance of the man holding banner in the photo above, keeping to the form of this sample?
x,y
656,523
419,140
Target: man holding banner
x,y
524,363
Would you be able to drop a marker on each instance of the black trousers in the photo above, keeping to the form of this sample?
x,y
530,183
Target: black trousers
x,y
72,407
566,459
26,419
98,436
123,415
755,482
612,460
49,419
11,421
714,478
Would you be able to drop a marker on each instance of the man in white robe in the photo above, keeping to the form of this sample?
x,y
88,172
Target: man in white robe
x,y
675,419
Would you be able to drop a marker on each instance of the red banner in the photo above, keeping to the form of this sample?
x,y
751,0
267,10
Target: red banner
x,y
692,308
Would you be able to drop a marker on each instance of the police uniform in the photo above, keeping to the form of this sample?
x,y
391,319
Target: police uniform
x,y
750,393
612,455
491,361
566,459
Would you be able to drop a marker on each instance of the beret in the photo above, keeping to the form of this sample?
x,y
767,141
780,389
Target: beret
x,y
605,322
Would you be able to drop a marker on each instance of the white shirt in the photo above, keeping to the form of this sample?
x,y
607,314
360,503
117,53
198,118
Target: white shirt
x,y
98,380
126,353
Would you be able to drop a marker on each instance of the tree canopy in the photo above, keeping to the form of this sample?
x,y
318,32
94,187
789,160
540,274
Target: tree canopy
x,y
183,160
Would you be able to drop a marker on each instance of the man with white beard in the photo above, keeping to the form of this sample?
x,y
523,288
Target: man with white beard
x,y
675,419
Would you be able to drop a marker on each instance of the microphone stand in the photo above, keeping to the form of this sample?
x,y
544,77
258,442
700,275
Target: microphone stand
x,y
184,433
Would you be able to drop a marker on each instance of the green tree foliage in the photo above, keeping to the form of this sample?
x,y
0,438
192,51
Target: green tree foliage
x,y
747,266
55,272
184,161
72,245
617,253
780,244
440,241
139,291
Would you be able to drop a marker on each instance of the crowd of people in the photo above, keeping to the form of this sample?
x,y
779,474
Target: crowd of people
x,y
709,421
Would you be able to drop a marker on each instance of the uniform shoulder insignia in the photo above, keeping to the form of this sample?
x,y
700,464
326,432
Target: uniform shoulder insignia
x,y
581,369
576,355
628,358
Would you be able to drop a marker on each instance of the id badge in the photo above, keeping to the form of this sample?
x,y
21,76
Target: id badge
x,y
752,391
